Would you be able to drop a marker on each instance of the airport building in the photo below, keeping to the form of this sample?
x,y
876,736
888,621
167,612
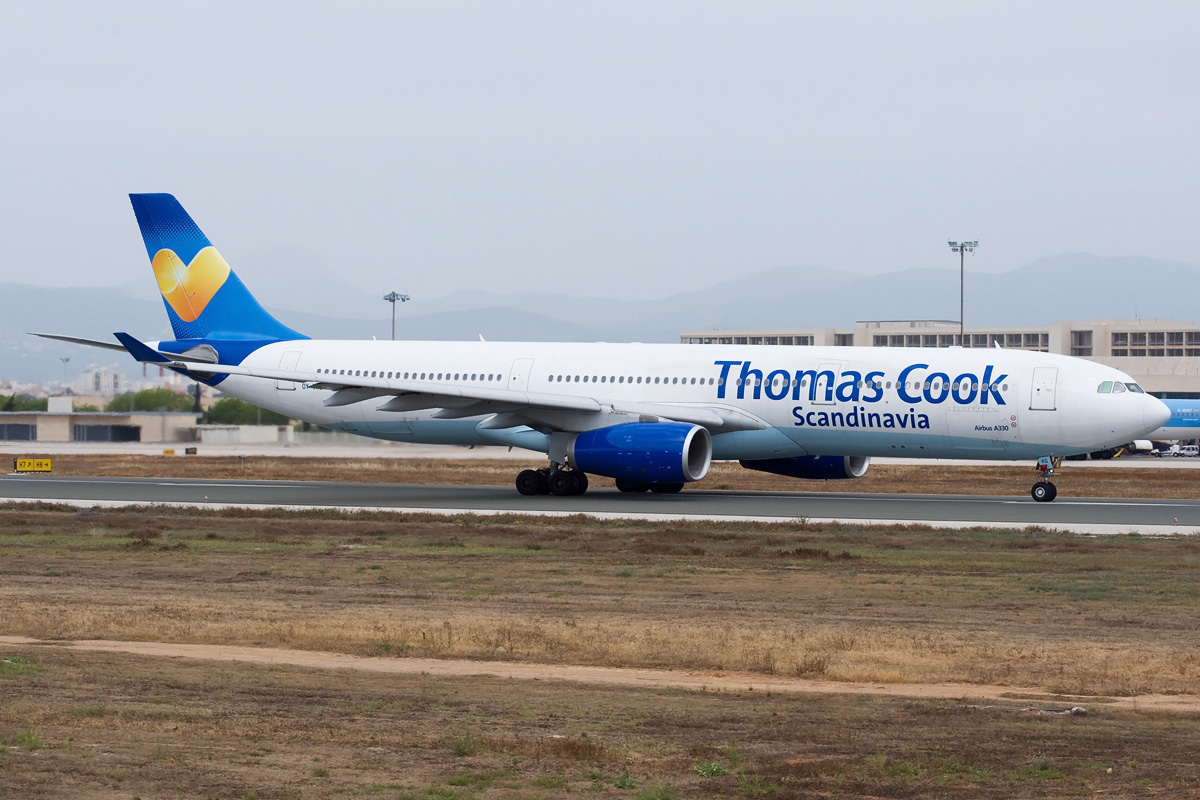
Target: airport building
x,y
61,423
1162,356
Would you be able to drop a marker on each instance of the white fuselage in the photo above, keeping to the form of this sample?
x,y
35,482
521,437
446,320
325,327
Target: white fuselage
x,y
786,401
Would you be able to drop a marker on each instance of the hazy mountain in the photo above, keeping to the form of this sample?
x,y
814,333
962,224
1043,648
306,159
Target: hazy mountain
x,y
1073,286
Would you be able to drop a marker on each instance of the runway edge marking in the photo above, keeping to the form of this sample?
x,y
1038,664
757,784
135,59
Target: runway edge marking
x,y
1097,529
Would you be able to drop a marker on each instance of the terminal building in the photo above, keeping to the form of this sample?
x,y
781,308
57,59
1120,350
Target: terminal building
x,y
1162,356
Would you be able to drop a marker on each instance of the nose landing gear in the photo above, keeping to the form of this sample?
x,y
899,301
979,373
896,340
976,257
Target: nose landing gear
x,y
1044,491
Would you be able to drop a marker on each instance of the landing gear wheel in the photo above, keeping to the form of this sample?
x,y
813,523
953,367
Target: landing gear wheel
x,y
1044,491
530,482
667,488
624,485
565,484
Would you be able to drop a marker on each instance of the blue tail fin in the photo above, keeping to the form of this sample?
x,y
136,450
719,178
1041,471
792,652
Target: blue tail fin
x,y
203,296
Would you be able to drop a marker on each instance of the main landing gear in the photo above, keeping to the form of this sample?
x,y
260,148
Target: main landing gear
x,y
552,480
624,485
1044,491
563,482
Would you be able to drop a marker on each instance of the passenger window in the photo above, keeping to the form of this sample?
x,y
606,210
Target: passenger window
x,y
639,380
604,379
621,379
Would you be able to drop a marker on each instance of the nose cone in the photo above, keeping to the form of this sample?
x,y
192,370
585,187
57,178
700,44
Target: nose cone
x,y
1156,413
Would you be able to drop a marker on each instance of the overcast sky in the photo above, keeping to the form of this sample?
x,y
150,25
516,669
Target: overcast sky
x,y
616,149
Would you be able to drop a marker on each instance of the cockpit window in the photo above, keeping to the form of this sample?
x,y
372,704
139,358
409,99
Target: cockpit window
x,y
1118,387
1105,387
1133,387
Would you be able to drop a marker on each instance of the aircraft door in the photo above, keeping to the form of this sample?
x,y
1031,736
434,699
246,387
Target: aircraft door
x,y
826,384
1045,381
518,379
289,360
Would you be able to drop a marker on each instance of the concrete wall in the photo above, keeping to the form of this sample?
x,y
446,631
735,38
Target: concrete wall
x,y
243,434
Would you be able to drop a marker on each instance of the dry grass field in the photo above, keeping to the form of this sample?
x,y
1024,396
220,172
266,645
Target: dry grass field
x,y
999,479
1087,618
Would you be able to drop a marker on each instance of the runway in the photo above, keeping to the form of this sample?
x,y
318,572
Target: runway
x,y
1084,515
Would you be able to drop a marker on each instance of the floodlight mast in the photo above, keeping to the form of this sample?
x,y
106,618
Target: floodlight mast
x,y
392,297
962,248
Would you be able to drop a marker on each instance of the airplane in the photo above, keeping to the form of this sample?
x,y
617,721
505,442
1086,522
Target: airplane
x,y
1184,423
651,416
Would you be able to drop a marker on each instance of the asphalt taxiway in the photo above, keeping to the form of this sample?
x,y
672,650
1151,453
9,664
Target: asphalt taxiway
x,y
1085,515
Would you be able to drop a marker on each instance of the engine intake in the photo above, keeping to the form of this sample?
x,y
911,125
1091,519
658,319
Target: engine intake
x,y
646,452
819,468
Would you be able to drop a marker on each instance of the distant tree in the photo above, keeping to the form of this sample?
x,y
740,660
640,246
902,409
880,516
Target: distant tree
x,y
21,402
87,407
150,400
231,411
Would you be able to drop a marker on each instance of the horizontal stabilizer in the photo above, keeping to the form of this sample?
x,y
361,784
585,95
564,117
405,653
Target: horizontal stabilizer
x,y
140,351
78,340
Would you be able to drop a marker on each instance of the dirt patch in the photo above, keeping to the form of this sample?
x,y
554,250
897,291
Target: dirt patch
x,y
642,678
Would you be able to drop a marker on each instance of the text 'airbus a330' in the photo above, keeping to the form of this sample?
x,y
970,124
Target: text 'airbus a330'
x,y
652,416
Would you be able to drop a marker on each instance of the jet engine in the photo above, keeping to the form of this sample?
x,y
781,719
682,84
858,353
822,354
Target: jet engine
x,y
818,468
644,452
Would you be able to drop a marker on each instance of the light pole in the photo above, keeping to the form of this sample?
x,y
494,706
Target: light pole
x,y
962,248
392,297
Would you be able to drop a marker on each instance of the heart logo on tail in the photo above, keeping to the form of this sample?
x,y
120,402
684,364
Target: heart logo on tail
x,y
188,288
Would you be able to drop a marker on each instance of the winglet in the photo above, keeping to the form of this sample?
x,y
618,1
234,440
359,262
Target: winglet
x,y
141,352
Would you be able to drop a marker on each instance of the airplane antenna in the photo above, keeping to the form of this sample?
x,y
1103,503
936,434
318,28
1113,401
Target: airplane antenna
x,y
962,248
392,297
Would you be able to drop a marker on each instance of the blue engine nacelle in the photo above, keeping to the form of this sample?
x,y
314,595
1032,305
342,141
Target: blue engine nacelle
x,y
645,452
817,468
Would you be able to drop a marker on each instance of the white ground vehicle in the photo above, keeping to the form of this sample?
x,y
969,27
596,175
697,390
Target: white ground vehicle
x,y
1179,450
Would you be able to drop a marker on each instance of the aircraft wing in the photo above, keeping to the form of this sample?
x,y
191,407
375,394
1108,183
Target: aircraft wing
x,y
453,400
